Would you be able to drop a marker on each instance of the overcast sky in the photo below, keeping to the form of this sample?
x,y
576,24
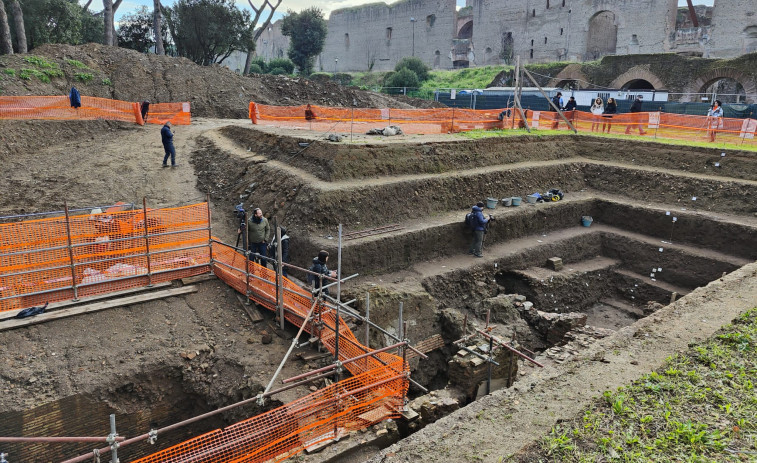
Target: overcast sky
x,y
326,5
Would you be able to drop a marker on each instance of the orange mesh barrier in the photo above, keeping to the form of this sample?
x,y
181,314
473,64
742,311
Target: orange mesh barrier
x,y
175,113
375,392
655,124
55,259
323,118
92,108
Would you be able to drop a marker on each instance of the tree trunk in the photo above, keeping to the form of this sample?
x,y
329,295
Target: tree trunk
x,y
18,20
114,40
159,50
6,46
108,22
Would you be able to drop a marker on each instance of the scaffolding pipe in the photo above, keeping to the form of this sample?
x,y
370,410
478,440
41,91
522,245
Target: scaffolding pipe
x,y
504,344
147,241
58,439
71,253
334,365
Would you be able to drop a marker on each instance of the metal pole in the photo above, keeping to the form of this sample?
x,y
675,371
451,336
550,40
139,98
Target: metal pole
x,y
112,438
352,121
339,267
246,248
58,439
71,252
489,374
399,324
367,319
515,88
279,276
147,241
512,359
210,233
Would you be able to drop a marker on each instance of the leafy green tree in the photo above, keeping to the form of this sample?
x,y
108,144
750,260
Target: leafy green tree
x,y
307,32
208,31
92,28
135,30
403,78
53,21
414,64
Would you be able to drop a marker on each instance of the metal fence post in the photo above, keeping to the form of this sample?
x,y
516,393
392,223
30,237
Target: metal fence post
x,y
71,252
147,241
112,439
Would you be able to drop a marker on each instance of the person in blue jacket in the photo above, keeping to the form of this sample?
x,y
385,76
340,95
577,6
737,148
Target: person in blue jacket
x,y
479,223
167,137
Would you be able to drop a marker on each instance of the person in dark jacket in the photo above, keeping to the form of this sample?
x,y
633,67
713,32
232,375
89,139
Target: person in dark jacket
x,y
144,109
479,226
319,266
167,136
571,104
636,108
610,110
75,98
258,231
273,250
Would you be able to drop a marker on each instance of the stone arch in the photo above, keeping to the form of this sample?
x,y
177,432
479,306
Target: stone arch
x,y
466,31
637,73
603,35
571,72
708,78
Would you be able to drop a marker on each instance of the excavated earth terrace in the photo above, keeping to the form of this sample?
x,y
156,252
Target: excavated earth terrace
x,y
669,223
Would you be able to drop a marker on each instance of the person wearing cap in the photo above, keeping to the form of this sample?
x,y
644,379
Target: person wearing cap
x,y
273,250
258,231
479,226
636,108
166,136
319,266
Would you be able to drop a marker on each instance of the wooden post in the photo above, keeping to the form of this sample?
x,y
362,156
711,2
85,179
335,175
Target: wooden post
x,y
147,241
517,97
541,90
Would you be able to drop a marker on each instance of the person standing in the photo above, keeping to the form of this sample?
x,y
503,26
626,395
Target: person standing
x,y
257,234
597,108
558,102
714,118
319,266
144,109
610,110
571,105
636,123
167,137
478,224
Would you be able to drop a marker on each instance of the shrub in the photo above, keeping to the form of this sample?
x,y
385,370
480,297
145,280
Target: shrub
x,y
277,72
404,78
414,64
84,76
41,62
10,72
255,69
260,62
107,82
283,63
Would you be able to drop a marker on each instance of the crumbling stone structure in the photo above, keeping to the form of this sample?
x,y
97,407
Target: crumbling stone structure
x,y
490,32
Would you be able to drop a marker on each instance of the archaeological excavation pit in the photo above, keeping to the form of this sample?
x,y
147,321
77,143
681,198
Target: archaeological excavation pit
x,y
665,221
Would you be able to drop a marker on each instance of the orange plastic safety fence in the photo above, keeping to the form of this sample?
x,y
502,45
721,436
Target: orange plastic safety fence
x,y
322,118
655,124
92,108
55,259
175,113
373,394
652,124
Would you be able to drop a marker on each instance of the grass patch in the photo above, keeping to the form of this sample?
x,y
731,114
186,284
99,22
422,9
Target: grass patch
x,y
478,134
41,62
9,71
701,406
83,76
107,82
76,63
27,74
478,77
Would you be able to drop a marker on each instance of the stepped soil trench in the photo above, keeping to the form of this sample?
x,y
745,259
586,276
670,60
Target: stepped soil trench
x,y
668,259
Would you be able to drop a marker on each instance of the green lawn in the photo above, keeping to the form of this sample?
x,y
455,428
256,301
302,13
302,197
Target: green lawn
x,y
700,407
476,134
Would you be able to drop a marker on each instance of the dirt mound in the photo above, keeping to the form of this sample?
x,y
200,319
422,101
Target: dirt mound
x,y
123,74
